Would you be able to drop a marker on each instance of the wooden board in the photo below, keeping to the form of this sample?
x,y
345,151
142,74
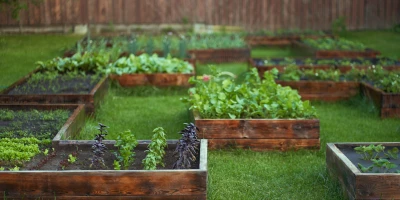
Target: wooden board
x,y
159,79
260,134
389,104
220,55
358,185
71,127
102,184
91,100
324,90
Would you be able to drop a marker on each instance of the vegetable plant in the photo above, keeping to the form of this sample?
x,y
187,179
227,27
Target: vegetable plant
x,y
222,98
98,148
187,148
379,158
334,44
125,142
156,151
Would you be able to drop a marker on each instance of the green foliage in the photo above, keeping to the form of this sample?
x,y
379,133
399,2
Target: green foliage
x,y
71,158
17,5
339,25
330,62
6,115
369,152
334,44
125,142
216,41
156,150
221,98
86,63
390,83
16,168
116,165
18,150
2,168
322,75
148,64
376,154
289,32
291,73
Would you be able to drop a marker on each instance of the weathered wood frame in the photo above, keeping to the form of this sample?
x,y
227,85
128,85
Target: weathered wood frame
x,y
259,134
157,79
71,127
324,90
358,185
92,99
220,55
109,184
387,103
368,53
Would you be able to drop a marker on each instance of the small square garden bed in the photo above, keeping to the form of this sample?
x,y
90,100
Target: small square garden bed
x,y
86,89
42,121
361,178
387,103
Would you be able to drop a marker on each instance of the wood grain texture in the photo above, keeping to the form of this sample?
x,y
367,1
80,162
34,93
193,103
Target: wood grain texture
x,y
158,79
324,90
251,14
274,134
98,184
220,55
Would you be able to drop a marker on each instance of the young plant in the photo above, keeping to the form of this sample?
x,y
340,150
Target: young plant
x,y
156,151
187,148
72,158
369,152
126,142
99,148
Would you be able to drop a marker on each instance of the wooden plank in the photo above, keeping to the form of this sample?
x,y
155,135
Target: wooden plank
x,y
159,79
257,129
265,144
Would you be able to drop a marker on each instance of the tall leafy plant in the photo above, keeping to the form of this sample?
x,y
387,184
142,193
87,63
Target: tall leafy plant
x,y
156,150
187,148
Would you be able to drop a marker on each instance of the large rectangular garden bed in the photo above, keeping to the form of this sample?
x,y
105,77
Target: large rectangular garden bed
x,y
70,183
70,127
158,79
369,53
324,90
387,103
260,134
220,55
91,97
341,162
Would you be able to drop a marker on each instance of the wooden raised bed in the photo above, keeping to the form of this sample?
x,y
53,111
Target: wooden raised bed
x,y
260,134
324,90
108,184
358,185
70,128
158,79
388,103
367,53
220,55
91,100
259,40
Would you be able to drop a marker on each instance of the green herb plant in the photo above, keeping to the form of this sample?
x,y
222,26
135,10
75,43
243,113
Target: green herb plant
x,y
125,142
156,150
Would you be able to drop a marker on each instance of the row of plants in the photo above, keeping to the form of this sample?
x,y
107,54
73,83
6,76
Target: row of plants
x,y
219,96
289,32
334,44
388,81
382,61
379,157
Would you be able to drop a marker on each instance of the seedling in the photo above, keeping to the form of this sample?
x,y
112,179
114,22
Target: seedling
x,y
71,158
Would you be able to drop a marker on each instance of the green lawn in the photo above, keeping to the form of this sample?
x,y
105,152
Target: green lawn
x,y
233,174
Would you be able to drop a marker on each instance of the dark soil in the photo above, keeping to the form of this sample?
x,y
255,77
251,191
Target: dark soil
x,y
33,123
61,84
84,154
355,158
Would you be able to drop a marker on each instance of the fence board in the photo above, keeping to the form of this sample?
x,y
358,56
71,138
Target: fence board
x,y
251,14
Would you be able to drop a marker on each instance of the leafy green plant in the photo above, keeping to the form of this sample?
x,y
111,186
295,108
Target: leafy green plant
x,y
2,169
125,142
222,98
18,150
6,115
149,64
98,148
334,44
291,73
376,154
216,41
156,151
187,148
16,168
369,152
339,25
71,158
390,83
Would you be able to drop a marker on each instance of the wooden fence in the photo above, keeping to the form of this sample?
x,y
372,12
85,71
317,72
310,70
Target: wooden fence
x,y
251,14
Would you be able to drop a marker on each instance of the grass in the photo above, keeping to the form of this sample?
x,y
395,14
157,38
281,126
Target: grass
x,y
242,174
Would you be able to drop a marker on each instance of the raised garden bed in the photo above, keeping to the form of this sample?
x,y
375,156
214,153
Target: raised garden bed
x,y
259,134
387,103
92,95
220,55
281,63
369,53
324,90
260,40
341,161
159,79
70,127
108,184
